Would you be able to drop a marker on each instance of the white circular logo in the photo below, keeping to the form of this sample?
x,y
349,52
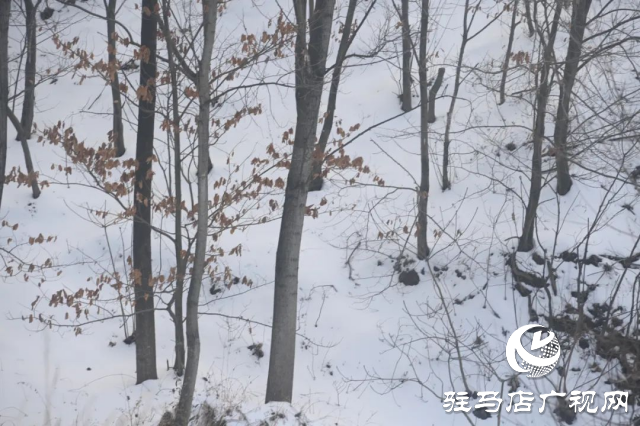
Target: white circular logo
x,y
547,351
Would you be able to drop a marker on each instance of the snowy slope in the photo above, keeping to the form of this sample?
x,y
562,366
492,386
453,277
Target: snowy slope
x,y
371,351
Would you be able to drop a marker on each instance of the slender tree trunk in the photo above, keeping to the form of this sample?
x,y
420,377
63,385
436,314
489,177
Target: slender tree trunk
x,y
433,92
406,57
33,176
574,50
144,307
423,195
526,241
117,134
178,316
209,14
446,180
507,57
529,17
345,41
5,11
29,100
310,66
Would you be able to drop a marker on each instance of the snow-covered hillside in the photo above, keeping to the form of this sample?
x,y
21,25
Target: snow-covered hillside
x,y
370,350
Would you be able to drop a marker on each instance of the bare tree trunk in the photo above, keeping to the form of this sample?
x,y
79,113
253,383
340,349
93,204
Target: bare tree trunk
x,y
209,14
33,177
29,100
345,41
423,195
5,11
143,288
574,50
433,91
117,134
310,63
406,57
178,316
446,181
529,17
526,241
507,57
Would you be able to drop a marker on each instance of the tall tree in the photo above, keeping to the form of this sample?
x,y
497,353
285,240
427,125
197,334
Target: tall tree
x,y
423,193
310,63
5,11
406,57
466,25
181,261
572,61
143,278
526,241
29,100
117,135
327,125
209,14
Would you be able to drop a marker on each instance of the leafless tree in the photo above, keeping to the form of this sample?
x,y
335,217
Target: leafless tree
x,y
345,42
507,56
571,63
209,15
529,17
181,261
526,241
406,57
32,176
423,193
144,299
117,132
31,47
310,63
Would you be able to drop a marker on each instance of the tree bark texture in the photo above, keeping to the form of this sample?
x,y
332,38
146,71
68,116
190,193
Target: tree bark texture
x,y
406,57
143,288
209,15
29,100
572,61
345,41
526,242
423,193
117,134
310,63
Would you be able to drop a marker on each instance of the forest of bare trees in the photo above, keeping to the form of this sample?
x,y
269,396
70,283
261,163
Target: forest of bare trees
x,y
289,204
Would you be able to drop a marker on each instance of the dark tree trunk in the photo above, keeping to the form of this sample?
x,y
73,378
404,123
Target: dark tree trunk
x,y
526,241
310,63
5,11
406,57
507,57
29,100
117,135
33,177
145,317
209,14
574,50
529,17
446,180
318,160
433,92
423,194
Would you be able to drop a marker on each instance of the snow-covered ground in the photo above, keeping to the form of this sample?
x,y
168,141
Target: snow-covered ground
x,y
370,351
